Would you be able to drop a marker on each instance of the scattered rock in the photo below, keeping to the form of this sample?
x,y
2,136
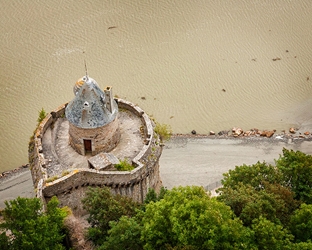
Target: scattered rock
x,y
237,131
212,133
223,90
143,98
276,59
248,133
292,130
307,133
223,132
267,133
193,132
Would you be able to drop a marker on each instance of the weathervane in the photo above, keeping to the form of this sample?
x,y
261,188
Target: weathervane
x,y
86,68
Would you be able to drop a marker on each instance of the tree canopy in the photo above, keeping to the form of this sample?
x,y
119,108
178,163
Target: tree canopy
x,y
104,207
26,227
187,216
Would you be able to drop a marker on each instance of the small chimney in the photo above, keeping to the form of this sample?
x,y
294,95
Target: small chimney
x,y
109,100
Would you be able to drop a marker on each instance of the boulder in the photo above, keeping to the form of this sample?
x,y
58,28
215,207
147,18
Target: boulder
x,y
292,130
212,133
267,133
307,133
237,131
270,133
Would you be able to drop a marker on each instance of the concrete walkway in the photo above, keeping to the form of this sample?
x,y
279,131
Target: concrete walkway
x,y
188,161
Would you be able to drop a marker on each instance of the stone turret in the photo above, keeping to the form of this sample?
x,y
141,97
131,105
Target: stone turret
x,y
92,116
112,131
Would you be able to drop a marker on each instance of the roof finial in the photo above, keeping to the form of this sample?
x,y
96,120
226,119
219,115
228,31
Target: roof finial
x,y
86,68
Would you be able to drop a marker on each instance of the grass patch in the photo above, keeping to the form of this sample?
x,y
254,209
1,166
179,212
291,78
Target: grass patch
x,y
51,179
65,172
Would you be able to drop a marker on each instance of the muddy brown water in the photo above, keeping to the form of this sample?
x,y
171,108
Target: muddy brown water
x,y
203,64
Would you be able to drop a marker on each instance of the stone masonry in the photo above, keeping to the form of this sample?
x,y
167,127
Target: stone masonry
x,y
59,170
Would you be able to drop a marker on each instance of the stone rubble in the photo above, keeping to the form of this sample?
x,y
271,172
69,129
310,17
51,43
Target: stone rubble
x,y
237,132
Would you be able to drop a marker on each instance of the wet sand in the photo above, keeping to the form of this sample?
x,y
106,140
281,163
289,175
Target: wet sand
x,y
188,161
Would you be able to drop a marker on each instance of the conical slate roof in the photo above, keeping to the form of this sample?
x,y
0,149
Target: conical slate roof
x,y
88,108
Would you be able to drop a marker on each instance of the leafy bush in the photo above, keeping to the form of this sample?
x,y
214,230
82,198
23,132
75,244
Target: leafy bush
x,y
124,165
104,207
29,227
296,168
301,223
269,235
164,131
152,195
124,234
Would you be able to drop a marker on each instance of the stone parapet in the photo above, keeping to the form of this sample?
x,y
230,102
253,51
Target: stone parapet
x,y
133,183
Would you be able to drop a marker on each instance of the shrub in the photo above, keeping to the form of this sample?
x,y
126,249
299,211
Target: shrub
x,y
42,115
29,227
124,165
164,131
103,207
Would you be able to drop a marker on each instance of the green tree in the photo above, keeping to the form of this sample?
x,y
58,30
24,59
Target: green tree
x,y
104,207
271,236
188,218
296,168
274,202
124,234
30,228
301,223
302,246
152,195
254,175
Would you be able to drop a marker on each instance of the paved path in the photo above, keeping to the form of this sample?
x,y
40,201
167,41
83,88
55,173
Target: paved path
x,y
188,161
202,161
17,184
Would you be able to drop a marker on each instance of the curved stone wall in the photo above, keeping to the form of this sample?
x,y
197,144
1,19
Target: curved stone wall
x,y
71,188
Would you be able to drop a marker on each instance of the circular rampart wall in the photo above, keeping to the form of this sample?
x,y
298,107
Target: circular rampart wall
x,y
71,187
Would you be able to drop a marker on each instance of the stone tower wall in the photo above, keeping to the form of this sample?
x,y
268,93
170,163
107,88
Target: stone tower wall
x,y
71,188
103,139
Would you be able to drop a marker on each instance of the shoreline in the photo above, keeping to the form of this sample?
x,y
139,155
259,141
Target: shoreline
x,y
187,159
10,173
252,135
